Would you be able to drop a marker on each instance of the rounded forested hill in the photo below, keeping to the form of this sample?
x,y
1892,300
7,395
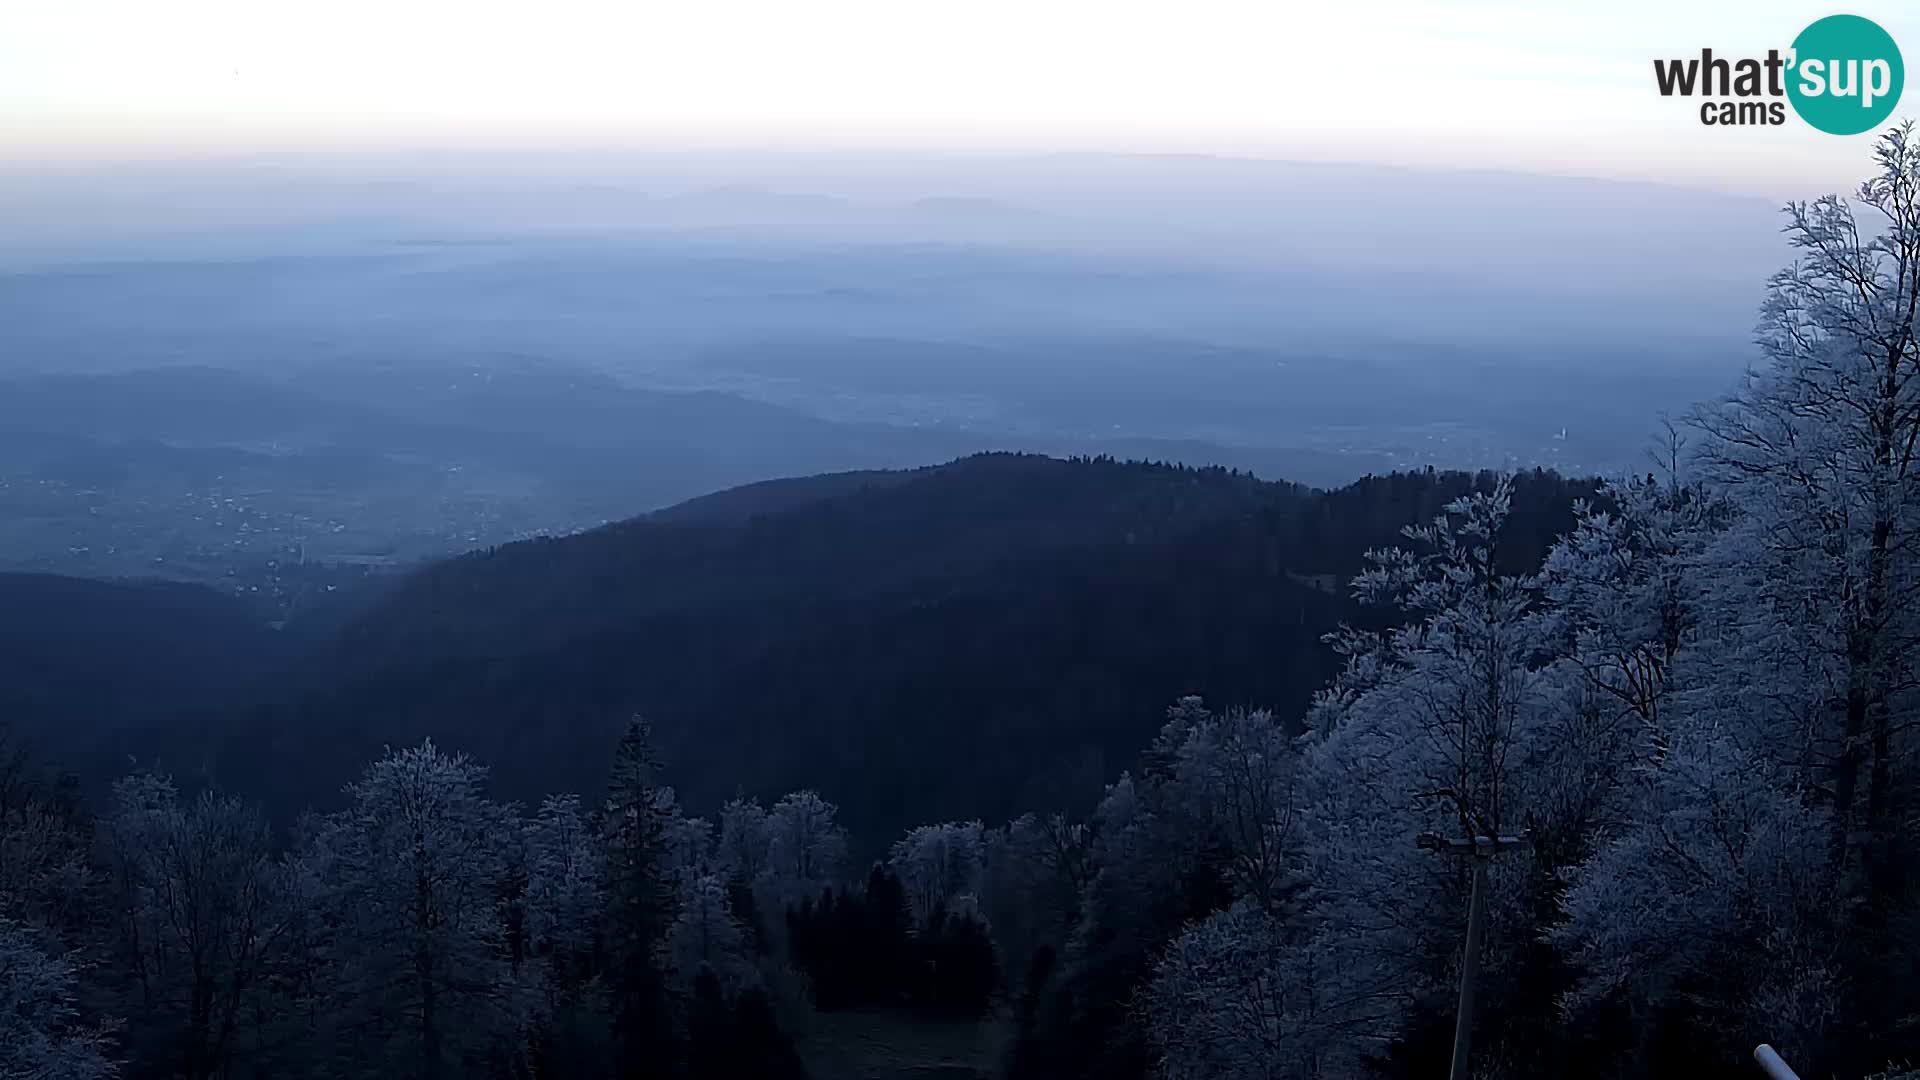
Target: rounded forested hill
x,y
82,661
997,634
899,532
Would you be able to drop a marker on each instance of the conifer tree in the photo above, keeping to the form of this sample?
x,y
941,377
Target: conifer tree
x,y
639,902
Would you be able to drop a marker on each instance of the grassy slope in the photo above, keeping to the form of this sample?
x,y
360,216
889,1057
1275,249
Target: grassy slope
x,y
883,1045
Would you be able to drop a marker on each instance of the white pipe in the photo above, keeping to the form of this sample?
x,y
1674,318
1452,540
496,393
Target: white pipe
x,y
1771,1064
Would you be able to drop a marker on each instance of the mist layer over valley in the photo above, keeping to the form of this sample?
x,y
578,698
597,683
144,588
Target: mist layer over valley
x,y
270,359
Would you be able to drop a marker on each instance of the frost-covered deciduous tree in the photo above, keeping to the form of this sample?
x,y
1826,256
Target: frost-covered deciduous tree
x,y
1037,870
1818,449
412,871
1233,776
805,846
1428,729
1459,686
1155,868
203,910
41,1034
705,936
1633,591
742,849
1082,1024
938,865
690,846
1227,1001
45,876
1632,587
1708,842
563,881
1762,628
1153,871
46,891
563,904
1718,894
1230,997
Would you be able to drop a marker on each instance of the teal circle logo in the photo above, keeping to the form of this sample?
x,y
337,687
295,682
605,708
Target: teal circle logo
x,y
1846,75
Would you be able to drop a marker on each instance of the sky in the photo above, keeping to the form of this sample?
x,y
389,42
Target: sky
x,y
1527,85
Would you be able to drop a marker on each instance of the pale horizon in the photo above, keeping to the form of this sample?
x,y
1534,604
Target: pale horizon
x,y
1494,86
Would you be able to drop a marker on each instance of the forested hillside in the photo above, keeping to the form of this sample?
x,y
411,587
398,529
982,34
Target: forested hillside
x,y
84,662
972,639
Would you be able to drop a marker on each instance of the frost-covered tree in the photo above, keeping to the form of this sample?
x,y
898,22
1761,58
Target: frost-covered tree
x,y
203,909
1430,728
1156,867
1818,449
1037,870
1229,996
742,848
805,846
1632,586
563,902
1225,1000
1761,627
938,865
45,876
412,871
47,888
690,846
705,936
41,1034
1717,894
564,877
1233,776
1634,595
1454,694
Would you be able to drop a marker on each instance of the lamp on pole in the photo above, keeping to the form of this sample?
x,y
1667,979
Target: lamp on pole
x,y
1482,848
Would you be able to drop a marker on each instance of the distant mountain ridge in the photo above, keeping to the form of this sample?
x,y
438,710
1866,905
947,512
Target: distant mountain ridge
x,y
747,501
974,638
823,539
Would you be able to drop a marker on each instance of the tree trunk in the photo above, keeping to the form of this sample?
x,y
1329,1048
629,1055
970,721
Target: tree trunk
x,y
423,974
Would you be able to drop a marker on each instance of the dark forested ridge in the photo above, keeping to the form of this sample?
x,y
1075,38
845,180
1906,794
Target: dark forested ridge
x,y
970,639
941,523
83,661
973,638
748,501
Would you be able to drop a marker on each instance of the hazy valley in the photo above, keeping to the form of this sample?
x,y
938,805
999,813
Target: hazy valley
x,y
391,359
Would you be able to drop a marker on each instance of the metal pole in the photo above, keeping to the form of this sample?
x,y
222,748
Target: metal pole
x,y
1470,963
1771,1064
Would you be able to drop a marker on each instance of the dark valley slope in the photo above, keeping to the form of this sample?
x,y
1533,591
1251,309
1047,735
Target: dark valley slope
x,y
83,663
980,638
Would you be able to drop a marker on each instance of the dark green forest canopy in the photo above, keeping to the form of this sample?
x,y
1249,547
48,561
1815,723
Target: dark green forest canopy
x,y
976,639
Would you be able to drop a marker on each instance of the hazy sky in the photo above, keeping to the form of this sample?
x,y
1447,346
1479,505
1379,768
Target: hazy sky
x,y
1536,85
